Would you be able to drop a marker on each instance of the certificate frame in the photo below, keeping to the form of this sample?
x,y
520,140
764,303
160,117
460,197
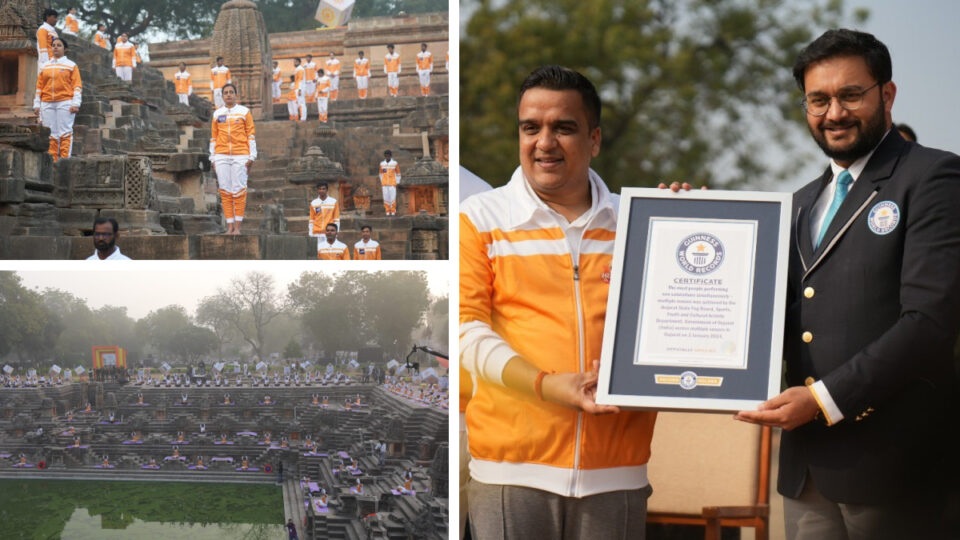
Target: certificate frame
x,y
707,386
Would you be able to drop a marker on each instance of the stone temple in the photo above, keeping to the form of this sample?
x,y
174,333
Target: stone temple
x,y
327,433
141,157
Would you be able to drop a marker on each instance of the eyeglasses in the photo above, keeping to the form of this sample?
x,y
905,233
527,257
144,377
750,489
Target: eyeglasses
x,y
849,99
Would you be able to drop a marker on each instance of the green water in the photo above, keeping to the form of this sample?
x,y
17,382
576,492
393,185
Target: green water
x,y
80,509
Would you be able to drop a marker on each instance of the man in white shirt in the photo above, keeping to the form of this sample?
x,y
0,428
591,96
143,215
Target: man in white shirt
x,y
105,234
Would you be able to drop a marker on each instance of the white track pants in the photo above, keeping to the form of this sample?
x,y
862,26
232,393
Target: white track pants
x,y
276,90
362,82
424,78
390,200
334,83
310,89
293,109
125,72
232,181
57,116
322,107
302,104
393,82
184,98
218,97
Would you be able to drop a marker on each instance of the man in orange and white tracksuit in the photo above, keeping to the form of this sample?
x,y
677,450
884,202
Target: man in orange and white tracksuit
x,y
547,460
100,38
361,72
183,85
219,76
323,211
233,148
310,79
424,67
333,71
323,95
391,66
124,58
293,107
275,87
366,249
389,178
299,84
71,26
45,36
331,249
59,91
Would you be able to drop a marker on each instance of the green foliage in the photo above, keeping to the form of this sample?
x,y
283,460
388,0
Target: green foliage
x,y
292,350
355,309
26,326
692,90
173,335
182,19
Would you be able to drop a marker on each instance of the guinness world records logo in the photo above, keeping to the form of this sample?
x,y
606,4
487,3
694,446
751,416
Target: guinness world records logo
x,y
700,253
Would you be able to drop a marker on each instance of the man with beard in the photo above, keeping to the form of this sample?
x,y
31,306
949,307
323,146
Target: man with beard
x,y
874,284
105,234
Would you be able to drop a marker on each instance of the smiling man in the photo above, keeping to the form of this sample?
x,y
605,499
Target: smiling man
x,y
546,460
874,285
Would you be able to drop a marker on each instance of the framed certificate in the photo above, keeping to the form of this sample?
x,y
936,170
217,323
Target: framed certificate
x,y
697,296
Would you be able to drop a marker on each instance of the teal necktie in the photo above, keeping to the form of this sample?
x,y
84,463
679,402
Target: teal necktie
x,y
843,187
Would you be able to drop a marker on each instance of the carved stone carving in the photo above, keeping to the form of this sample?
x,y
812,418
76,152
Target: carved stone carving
x,y
138,186
19,19
240,37
313,167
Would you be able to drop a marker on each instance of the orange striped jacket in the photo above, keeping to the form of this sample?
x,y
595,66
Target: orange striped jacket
x,y
311,70
124,54
182,83
322,213
391,63
298,76
58,80
369,251
233,133
524,293
101,40
276,75
323,87
389,173
332,252
219,76
361,67
45,36
71,23
333,67
424,61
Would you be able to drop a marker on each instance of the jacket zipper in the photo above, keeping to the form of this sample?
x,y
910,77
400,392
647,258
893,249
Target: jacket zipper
x,y
575,477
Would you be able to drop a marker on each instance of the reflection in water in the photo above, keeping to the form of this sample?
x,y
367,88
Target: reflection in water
x,y
40,509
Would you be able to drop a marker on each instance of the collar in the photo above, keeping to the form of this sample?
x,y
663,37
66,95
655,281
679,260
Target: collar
x,y
526,205
860,164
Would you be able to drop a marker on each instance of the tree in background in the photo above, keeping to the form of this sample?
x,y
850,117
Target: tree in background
x,y
213,313
292,351
329,309
27,328
394,305
173,334
252,304
180,19
692,90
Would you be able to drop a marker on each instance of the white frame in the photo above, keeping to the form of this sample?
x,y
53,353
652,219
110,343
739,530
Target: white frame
x,y
627,195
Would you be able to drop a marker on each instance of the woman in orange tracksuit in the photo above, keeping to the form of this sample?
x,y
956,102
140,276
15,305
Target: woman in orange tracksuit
x,y
233,147
57,101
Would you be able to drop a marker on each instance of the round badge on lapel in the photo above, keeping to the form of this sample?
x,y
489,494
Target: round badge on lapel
x,y
883,217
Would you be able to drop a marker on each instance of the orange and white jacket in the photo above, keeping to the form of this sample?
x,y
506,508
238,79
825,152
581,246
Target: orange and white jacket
x,y
389,173
424,61
219,76
333,67
361,67
45,36
310,69
366,251
182,83
524,292
332,252
298,77
101,40
71,24
58,80
276,75
323,87
233,133
391,63
322,213
124,54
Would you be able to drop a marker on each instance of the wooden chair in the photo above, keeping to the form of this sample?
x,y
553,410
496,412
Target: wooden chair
x,y
711,470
